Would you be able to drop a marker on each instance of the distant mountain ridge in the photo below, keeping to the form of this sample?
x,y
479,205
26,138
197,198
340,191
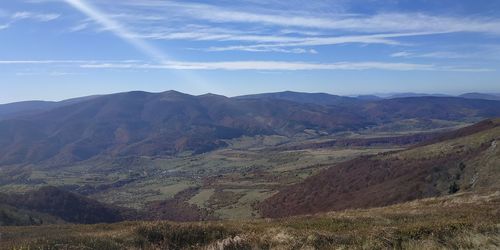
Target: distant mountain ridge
x,y
495,97
16,109
162,124
329,99
24,108
410,94
314,98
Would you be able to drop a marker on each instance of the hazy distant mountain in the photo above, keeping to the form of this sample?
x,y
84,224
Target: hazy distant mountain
x,y
24,108
368,97
428,107
495,97
410,94
464,160
313,98
329,99
482,96
16,109
159,124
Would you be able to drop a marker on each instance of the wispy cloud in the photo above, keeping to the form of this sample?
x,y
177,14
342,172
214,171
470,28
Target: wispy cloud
x,y
41,17
79,27
266,66
402,54
478,52
262,49
274,30
286,66
435,54
11,19
45,73
382,22
13,62
116,28
246,65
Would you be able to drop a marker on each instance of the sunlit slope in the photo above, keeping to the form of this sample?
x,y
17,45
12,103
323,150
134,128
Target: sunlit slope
x,y
465,160
461,221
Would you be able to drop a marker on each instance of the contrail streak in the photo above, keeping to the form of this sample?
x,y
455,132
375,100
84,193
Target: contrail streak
x,y
130,37
117,29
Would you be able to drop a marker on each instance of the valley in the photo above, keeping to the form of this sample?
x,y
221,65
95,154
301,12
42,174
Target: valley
x,y
249,125
224,161
250,170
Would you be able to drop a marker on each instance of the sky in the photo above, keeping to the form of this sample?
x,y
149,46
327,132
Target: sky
x,y
59,49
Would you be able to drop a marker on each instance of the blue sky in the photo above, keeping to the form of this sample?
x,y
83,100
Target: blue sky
x,y
57,49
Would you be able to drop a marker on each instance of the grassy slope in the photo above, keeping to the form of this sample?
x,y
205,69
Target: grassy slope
x,y
481,171
11,216
460,221
465,160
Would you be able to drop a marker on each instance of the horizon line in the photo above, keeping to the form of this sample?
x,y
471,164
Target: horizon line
x,y
383,95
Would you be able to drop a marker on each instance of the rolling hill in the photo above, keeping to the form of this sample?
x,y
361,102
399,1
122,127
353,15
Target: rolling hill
x,y
53,205
463,160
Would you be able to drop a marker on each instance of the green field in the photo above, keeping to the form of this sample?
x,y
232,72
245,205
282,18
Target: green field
x,y
228,182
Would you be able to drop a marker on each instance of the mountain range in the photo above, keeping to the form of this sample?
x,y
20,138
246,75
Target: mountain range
x,y
168,123
11,110
322,161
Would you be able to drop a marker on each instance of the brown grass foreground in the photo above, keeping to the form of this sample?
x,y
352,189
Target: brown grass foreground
x,y
462,221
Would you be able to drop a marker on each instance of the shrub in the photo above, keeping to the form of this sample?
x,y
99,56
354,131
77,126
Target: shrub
x,y
173,236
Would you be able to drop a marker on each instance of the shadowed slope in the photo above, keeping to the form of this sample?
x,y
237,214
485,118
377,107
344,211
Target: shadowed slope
x,y
66,206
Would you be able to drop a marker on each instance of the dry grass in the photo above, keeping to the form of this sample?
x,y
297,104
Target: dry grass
x,y
463,221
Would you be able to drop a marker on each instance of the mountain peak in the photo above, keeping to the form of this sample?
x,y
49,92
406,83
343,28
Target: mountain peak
x,y
173,92
211,95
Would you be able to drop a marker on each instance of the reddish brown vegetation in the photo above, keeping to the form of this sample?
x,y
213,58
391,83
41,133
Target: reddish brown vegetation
x,y
178,209
367,142
470,130
147,124
362,183
377,181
